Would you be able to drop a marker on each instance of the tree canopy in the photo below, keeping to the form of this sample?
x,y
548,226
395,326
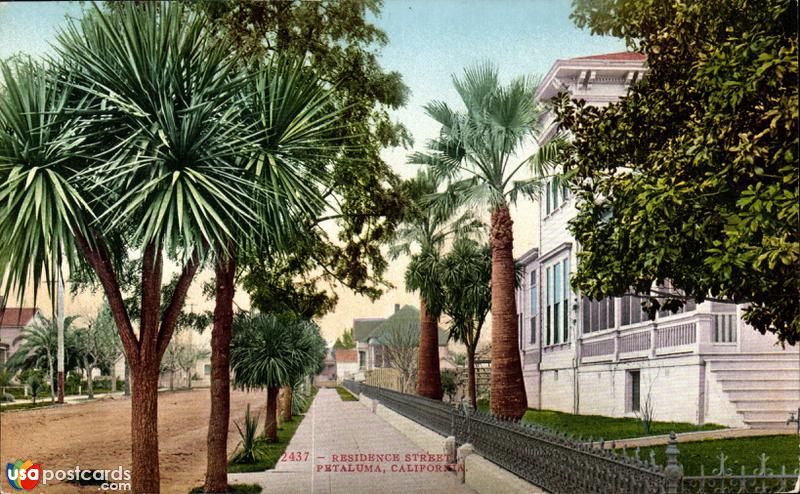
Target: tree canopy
x,y
693,176
341,46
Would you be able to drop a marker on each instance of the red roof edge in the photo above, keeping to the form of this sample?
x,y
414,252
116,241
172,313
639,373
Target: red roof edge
x,y
620,55
13,317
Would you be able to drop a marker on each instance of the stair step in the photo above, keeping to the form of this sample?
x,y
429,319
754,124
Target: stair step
x,y
783,363
766,404
769,424
763,393
764,416
740,385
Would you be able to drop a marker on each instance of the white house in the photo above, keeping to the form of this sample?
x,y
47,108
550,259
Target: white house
x,y
346,363
703,364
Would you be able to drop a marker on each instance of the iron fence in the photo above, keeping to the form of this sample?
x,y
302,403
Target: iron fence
x,y
561,463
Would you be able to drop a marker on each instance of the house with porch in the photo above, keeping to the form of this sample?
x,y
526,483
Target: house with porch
x,y
606,357
372,334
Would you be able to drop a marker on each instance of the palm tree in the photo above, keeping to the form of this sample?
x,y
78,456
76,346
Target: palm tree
x,y
142,138
466,273
476,152
270,351
426,229
39,347
290,113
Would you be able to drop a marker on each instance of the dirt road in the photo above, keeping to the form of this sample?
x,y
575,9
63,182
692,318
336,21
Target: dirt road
x,y
97,436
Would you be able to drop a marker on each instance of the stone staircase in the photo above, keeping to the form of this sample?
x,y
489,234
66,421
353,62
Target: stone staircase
x,y
764,388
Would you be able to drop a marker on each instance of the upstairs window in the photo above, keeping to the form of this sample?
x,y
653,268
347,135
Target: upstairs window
x,y
534,295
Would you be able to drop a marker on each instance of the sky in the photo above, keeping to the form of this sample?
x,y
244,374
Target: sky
x,y
429,41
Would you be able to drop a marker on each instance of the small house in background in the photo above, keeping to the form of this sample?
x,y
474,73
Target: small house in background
x,y
12,321
374,334
346,363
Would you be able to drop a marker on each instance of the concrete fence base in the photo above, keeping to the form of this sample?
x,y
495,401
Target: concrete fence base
x,y
477,473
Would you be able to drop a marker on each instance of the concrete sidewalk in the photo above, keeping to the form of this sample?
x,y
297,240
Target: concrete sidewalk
x,y
330,456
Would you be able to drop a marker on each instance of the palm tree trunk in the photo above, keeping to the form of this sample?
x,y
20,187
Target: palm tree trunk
x,y
429,379
50,375
217,459
271,419
508,388
287,403
471,388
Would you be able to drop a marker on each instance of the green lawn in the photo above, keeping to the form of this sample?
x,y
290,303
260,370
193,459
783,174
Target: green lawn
x,y
743,451
598,426
25,406
270,453
344,394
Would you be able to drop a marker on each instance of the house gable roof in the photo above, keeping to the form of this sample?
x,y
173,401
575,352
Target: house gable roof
x,y
406,317
13,317
362,327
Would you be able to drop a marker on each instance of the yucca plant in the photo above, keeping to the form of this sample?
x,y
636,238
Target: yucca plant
x,y
148,136
247,449
269,352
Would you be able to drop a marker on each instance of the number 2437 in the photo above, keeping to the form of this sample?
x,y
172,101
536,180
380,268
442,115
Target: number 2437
x,y
295,456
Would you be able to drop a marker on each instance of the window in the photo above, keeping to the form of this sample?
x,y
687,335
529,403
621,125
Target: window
x,y
597,314
533,296
548,311
362,359
555,188
552,199
565,302
557,302
634,378
207,370
548,208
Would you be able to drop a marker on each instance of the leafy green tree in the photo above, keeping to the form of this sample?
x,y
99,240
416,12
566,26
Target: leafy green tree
x,y
340,46
692,177
477,153
345,341
271,351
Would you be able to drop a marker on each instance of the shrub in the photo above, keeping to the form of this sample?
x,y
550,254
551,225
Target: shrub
x,y
6,398
449,384
248,452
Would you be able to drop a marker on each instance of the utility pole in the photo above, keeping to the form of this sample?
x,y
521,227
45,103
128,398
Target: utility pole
x,y
60,326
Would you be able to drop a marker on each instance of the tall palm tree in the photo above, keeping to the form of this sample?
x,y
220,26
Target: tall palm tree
x,y
39,348
466,273
477,152
422,235
270,351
